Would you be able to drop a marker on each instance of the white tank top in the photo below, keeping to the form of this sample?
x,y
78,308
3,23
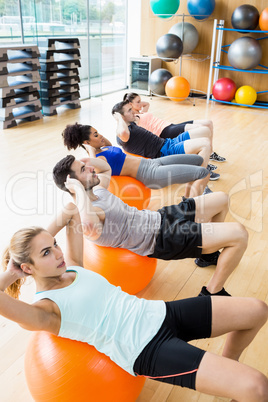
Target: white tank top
x,y
100,314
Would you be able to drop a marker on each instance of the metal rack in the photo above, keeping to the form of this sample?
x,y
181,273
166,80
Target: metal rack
x,y
215,65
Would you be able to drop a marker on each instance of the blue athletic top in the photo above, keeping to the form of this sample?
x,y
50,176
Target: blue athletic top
x,y
100,314
115,157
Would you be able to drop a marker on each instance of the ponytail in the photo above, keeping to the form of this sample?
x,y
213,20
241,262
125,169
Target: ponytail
x,y
19,250
14,289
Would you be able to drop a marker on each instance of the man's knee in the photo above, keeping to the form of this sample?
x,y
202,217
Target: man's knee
x,y
256,387
242,235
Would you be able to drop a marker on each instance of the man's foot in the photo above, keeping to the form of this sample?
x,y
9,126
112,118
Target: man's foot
x,y
205,292
214,176
207,259
215,157
207,190
211,167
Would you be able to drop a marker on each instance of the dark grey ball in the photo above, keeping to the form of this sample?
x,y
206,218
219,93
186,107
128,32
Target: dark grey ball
x,y
158,80
169,47
245,17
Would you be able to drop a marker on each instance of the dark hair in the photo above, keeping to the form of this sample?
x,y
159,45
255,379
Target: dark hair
x,y
118,108
61,171
130,97
75,134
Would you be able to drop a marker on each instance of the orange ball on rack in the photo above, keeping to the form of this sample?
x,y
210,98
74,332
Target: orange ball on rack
x,y
177,88
263,21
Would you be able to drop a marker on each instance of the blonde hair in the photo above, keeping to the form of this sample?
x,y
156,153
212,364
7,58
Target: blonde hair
x,y
19,250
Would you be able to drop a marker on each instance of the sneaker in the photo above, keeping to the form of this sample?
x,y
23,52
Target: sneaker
x,y
215,157
207,190
214,176
207,259
211,167
205,292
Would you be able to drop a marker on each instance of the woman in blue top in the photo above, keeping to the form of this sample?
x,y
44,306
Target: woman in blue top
x,y
144,337
154,173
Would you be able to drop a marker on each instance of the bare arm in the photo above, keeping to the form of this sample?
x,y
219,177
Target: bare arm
x,y
102,168
31,317
122,130
144,107
69,217
91,223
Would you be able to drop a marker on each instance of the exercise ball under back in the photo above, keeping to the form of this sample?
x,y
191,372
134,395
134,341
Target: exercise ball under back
x,y
245,53
158,80
169,47
188,35
245,17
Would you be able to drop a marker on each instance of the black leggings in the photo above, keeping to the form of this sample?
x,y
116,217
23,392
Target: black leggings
x,y
168,357
173,130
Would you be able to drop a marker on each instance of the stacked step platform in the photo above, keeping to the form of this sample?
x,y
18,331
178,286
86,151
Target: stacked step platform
x,y
19,85
59,61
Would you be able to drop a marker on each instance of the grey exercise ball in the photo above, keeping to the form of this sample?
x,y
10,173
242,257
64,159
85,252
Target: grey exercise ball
x,y
189,35
169,47
158,80
245,17
245,53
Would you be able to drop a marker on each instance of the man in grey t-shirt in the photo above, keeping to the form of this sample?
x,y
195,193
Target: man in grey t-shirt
x,y
192,229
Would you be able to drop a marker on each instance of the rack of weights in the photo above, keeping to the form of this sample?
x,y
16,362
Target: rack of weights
x,y
19,85
59,61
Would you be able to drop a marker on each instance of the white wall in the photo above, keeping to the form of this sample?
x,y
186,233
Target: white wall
x,y
133,30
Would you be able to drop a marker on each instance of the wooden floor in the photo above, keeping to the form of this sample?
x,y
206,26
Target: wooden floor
x,y
29,197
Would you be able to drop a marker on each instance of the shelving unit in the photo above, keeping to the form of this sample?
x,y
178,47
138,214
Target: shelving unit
x,y
59,61
215,65
19,76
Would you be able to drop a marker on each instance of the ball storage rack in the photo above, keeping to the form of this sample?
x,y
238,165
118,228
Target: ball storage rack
x,y
215,66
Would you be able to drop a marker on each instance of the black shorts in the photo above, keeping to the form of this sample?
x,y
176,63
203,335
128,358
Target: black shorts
x,y
168,357
173,130
179,235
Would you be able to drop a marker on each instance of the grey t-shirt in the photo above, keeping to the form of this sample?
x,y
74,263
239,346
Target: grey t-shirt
x,y
125,226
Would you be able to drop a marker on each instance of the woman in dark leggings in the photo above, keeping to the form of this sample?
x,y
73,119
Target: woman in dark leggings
x,y
144,337
154,173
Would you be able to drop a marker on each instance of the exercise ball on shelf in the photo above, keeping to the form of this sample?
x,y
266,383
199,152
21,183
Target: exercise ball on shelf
x,y
133,192
164,8
169,47
63,370
121,267
158,80
200,9
246,17
245,53
263,21
177,88
246,95
188,34
224,89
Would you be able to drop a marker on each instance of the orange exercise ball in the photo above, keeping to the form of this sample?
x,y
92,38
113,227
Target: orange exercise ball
x,y
177,88
64,370
131,191
121,267
263,21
